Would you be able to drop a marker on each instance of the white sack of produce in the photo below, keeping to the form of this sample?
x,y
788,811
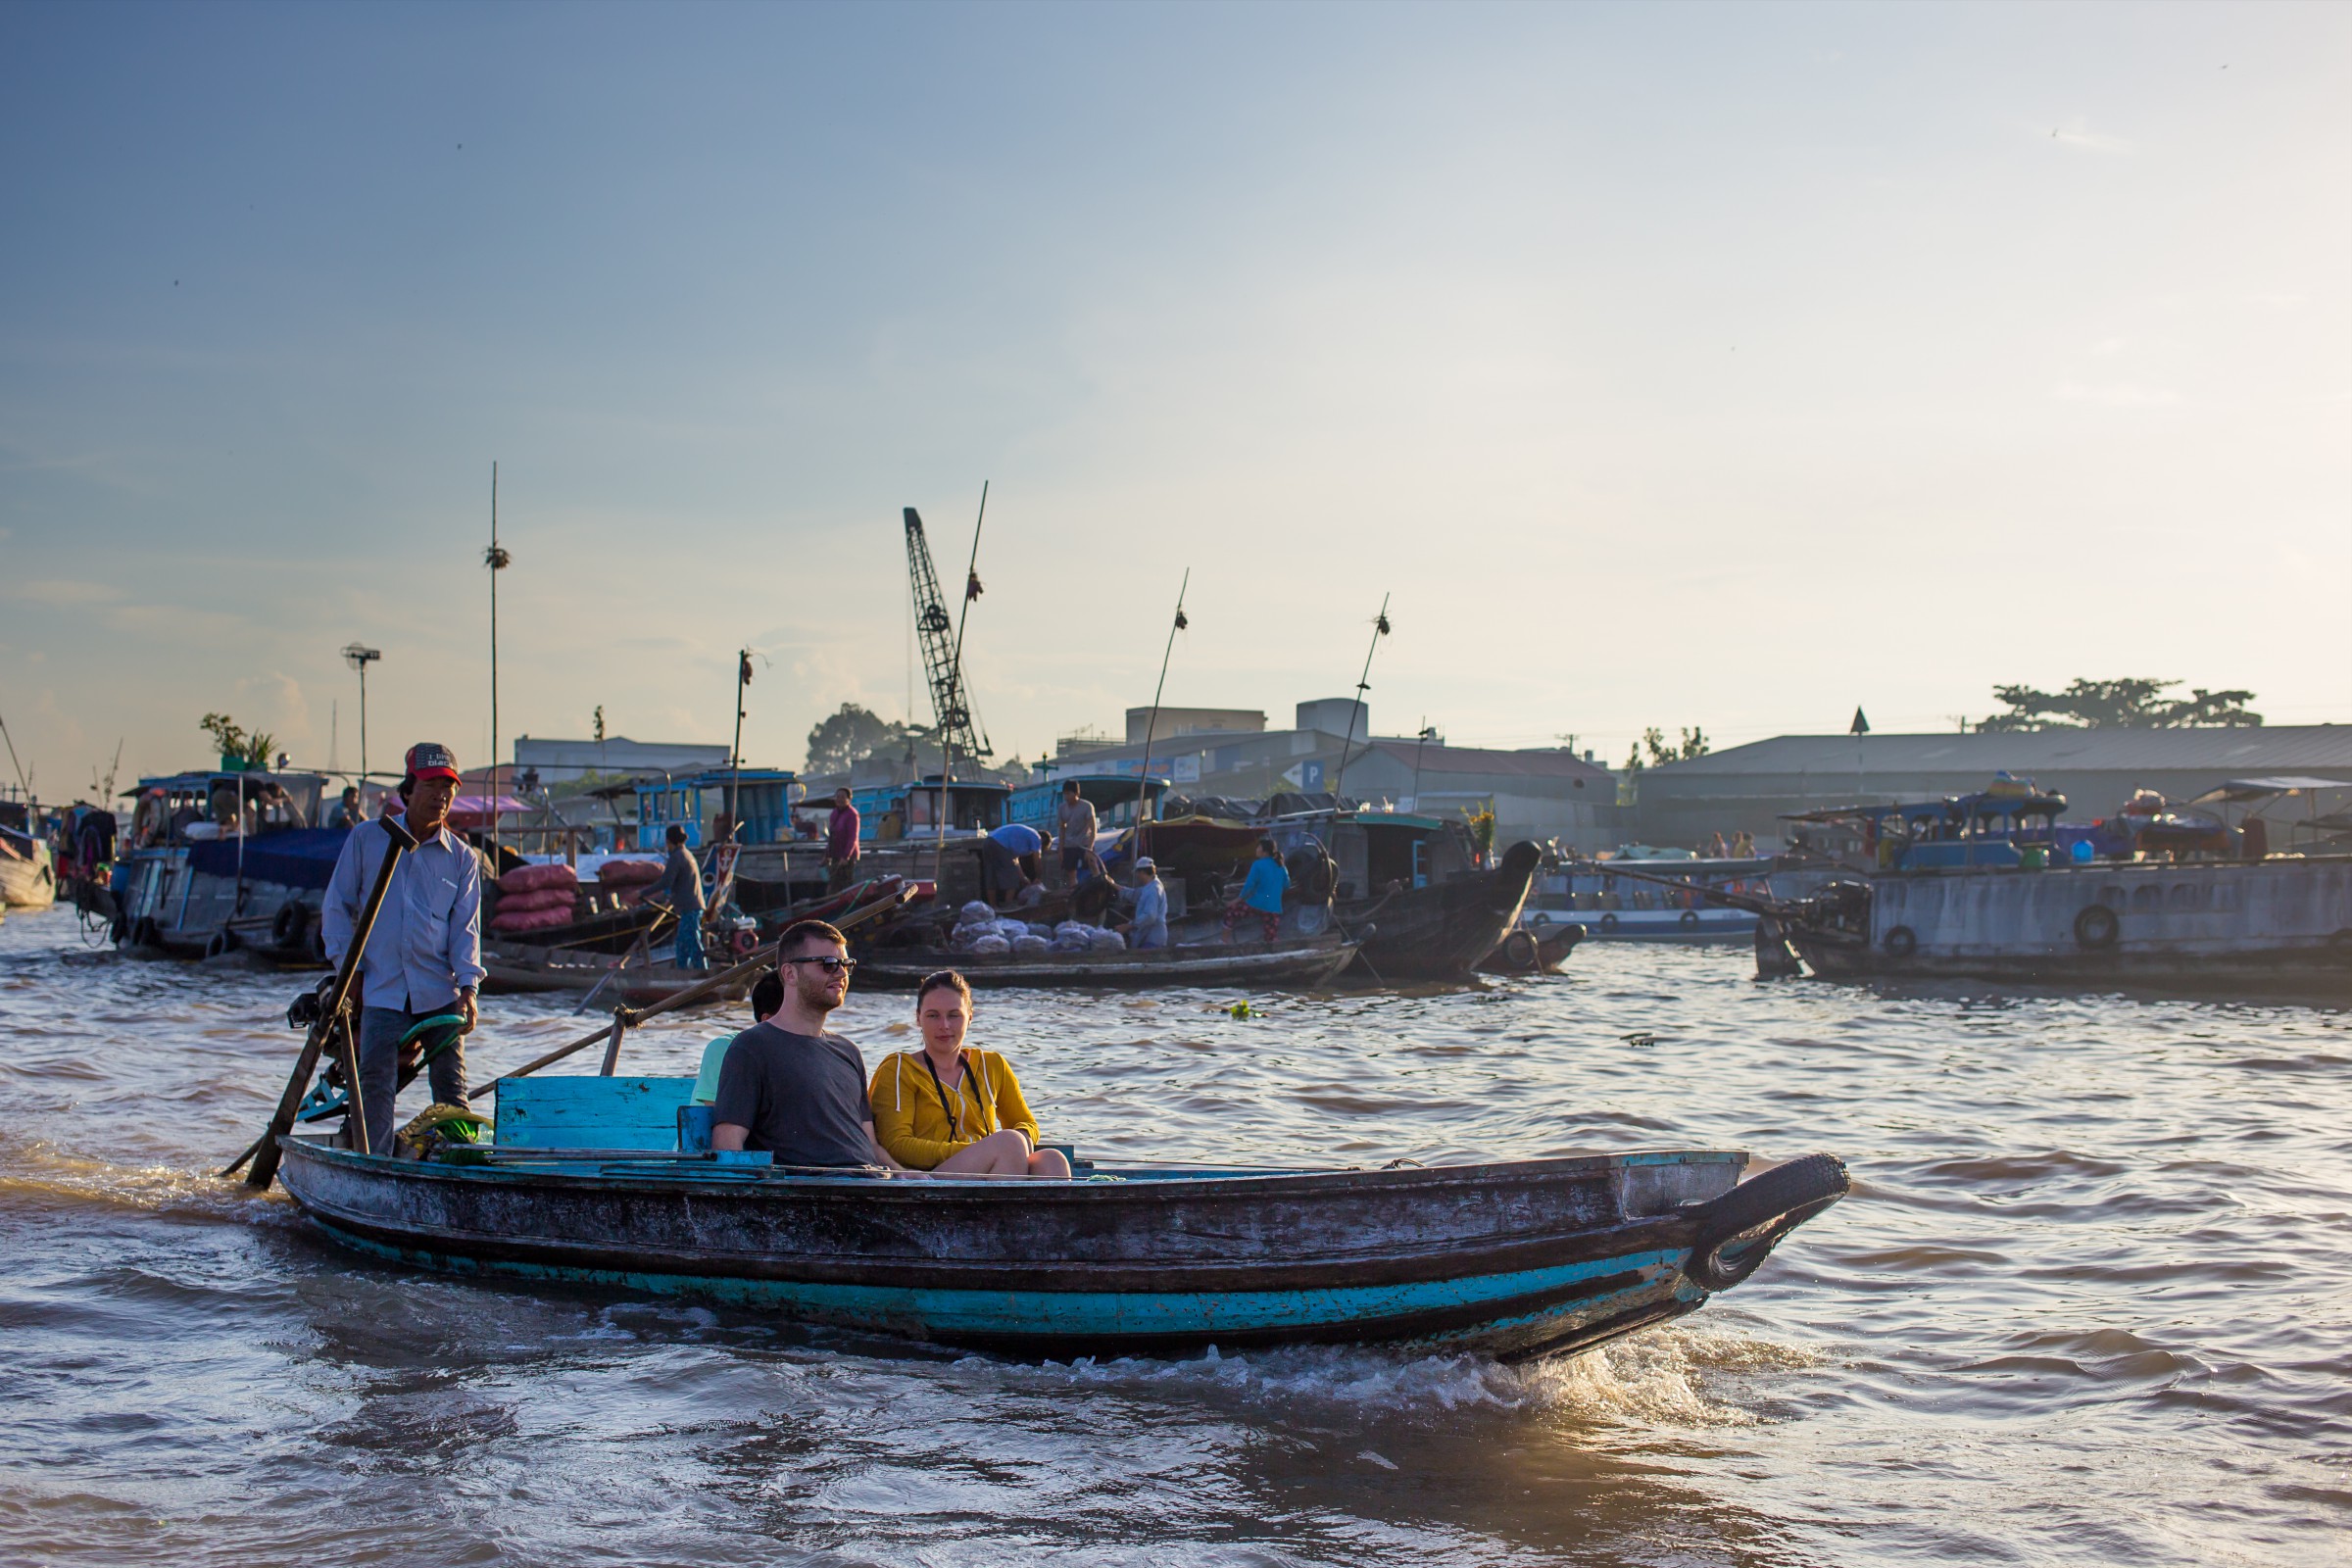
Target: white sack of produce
x,y
975,913
1028,945
991,945
1110,942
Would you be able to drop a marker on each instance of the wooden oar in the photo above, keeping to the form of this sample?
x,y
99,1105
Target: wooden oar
x,y
625,1018
330,1014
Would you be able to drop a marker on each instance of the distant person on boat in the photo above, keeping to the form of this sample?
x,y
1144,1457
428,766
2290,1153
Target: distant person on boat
x,y
841,843
1010,858
1149,928
346,812
787,1085
1074,829
952,1109
680,891
425,953
767,997
1261,893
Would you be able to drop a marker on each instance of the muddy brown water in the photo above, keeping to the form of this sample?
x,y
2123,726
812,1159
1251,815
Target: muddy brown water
x,y
2091,1302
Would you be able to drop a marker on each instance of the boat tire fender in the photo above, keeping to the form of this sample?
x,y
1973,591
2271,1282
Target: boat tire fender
x,y
1609,921
1520,951
1540,919
291,925
220,942
2097,927
1901,943
1736,1231
1689,917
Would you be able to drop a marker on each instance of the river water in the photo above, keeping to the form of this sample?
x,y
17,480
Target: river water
x,y
2091,1302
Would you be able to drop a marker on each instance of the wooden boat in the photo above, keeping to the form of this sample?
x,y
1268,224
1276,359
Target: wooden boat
x,y
518,969
28,877
1304,963
1510,1258
1532,949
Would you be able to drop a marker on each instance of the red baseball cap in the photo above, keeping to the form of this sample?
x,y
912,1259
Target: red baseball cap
x,y
428,759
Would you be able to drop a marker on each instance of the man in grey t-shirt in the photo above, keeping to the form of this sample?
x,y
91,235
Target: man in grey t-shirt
x,y
786,1085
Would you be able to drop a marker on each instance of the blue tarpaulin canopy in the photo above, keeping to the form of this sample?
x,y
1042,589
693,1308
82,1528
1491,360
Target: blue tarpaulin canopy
x,y
299,858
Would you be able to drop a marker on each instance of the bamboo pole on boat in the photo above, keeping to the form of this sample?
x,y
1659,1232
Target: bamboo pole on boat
x,y
265,1155
1143,788
1363,684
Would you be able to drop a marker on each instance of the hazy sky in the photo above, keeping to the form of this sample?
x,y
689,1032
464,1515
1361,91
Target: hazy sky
x,y
1673,364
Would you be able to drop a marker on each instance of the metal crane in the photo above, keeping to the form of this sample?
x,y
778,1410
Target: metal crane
x,y
958,728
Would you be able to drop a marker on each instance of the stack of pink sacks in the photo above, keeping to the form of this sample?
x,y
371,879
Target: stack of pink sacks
x,y
625,881
536,898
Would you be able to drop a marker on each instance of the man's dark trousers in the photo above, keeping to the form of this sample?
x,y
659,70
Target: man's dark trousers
x,y
380,1029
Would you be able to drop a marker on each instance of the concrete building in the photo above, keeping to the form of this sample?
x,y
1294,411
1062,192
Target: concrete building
x,y
561,762
1753,786
1534,794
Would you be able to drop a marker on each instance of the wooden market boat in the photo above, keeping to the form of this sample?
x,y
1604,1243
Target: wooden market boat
x,y
1305,963
586,1183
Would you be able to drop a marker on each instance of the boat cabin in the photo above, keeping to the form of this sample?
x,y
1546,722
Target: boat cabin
x,y
763,799
1371,850
1114,798
1997,827
889,813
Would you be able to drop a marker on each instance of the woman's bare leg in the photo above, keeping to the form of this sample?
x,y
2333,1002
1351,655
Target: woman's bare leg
x,y
1049,1164
1000,1153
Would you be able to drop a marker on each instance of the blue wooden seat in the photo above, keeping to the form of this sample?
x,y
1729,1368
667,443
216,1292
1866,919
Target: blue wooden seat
x,y
577,1112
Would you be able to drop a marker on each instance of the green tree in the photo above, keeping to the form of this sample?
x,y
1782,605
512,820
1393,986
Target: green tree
x,y
853,733
2127,703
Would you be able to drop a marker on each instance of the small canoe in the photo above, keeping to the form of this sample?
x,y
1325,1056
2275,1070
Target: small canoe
x,y
1302,964
1511,1258
512,968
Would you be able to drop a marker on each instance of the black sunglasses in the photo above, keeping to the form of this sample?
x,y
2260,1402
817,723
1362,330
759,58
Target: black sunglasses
x,y
829,965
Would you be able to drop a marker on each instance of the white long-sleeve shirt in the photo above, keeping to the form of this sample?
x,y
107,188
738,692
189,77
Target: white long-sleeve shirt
x,y
427,943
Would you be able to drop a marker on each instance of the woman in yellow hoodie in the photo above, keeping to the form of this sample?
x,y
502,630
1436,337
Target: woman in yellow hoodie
x,y
952,1109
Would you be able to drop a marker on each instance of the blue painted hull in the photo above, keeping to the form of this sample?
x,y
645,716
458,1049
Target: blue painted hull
x,y
1511,1259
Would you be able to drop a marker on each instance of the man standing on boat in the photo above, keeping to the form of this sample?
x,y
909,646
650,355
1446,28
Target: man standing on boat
x,y
841,843
424,955
680,891
1074,828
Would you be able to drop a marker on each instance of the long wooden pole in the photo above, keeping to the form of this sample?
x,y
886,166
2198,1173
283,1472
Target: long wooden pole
x,y
1363,684
1142,795
635,1017
330,1014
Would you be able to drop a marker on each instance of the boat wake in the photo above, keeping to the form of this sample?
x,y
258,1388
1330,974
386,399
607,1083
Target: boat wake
x,y
1663,1377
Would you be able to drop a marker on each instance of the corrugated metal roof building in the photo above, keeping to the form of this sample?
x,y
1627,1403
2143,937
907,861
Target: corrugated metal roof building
x,y
1753,786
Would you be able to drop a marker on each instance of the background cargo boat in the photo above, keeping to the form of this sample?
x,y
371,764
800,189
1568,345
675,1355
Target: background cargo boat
x,y
1302,963
28,873
2283,921
1417,894
1616,907
188,889
588,1182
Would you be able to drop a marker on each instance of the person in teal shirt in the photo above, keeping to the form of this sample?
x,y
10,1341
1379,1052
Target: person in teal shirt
x,y
1261,893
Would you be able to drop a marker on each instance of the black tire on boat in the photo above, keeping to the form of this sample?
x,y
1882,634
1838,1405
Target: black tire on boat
x,y
1900,942
2097,927
291,924
1608,922
1520,951
1736,1231
144,934
1689,917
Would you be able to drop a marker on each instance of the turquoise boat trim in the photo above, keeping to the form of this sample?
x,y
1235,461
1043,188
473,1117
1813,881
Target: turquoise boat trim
x,y
1100,1313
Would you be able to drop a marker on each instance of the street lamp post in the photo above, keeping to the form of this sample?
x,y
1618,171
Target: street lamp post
x,y
359,659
